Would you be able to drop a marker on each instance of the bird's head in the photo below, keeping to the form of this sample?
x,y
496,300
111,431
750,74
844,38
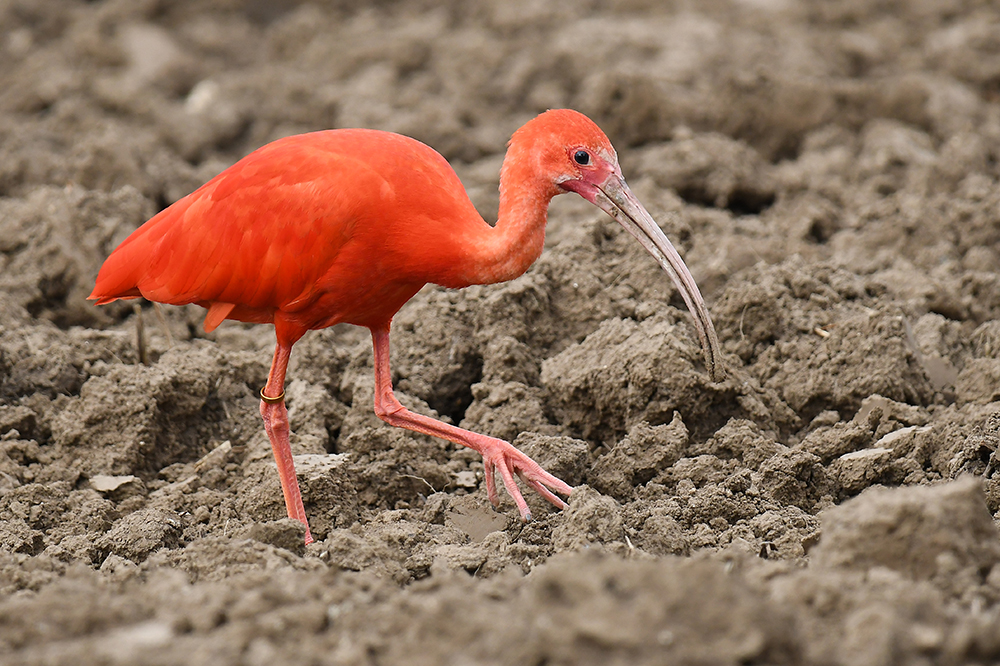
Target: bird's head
x,y
565,151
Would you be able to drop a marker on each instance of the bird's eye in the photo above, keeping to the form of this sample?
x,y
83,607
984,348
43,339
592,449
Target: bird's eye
x,y
582,157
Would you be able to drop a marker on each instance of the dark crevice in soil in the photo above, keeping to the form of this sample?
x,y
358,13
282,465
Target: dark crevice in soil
x,y
739,202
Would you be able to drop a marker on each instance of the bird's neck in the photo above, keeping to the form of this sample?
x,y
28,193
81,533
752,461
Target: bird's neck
x,y
507,250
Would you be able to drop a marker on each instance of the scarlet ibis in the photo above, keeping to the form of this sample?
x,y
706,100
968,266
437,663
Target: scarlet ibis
x,y
347,225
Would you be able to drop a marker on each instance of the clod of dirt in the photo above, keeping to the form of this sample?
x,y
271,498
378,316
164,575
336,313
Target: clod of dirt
x,y
328,492
742,439
627,372
793,477
507,410
218,558
810,336
662,534
565,457
17,537
47,272
639,456
313,415
694,613
142,532
711,170
284,533
18,418
923,532
830,443
857,470
979,381
435,355
591,518
139,419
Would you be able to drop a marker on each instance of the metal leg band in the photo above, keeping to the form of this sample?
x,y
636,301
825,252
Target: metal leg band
x,y
272,401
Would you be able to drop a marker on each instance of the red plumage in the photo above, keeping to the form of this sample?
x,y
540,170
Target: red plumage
x,y
346,226
319,227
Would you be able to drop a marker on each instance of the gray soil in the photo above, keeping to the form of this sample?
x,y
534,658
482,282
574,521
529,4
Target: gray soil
x,y
829,170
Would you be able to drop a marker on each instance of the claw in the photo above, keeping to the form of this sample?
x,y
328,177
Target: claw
x,y
543,491
510,461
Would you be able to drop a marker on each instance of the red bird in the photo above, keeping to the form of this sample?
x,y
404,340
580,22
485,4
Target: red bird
x,y
347,225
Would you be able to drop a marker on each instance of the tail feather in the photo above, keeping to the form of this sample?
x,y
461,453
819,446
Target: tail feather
x,y
104,300
118,277
135,261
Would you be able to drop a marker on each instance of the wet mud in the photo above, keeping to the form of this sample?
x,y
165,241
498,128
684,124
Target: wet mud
x,y
828,169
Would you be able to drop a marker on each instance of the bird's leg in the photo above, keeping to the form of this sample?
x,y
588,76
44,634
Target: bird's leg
x,y
497,454
275,415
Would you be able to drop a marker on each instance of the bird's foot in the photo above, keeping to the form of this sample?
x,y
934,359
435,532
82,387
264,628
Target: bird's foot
x,y
502,456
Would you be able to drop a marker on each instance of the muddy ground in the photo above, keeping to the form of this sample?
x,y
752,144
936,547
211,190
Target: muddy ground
x,y
829,170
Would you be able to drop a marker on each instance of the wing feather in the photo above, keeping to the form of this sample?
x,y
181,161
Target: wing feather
x,y
343,225
259,235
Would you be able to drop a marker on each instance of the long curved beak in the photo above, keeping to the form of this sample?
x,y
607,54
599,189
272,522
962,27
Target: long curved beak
x,y
615,199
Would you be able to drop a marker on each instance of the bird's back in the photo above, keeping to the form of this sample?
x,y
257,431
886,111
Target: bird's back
x,y
341,225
